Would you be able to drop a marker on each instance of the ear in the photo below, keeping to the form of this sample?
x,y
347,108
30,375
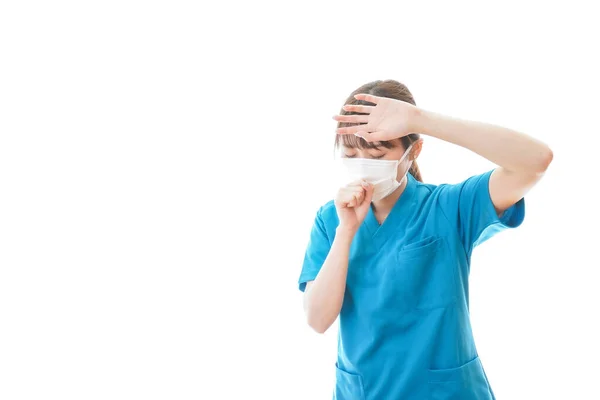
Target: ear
x,y
416,149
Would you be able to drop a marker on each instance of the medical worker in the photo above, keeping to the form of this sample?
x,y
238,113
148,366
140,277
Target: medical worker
x,y
391,255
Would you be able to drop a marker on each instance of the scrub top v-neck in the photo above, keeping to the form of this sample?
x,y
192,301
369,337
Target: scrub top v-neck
x,y
380,233
404,328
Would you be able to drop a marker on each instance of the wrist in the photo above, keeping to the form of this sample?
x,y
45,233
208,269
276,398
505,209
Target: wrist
x,y
345,232
421,121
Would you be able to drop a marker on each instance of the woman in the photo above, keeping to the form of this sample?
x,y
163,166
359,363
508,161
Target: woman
x,y
391,255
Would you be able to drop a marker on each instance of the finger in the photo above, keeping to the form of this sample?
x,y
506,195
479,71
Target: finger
x,y
368,197
350,130
369,189
355,192
371,137
349,195
353,119
360,196
350,190
367,97
358,109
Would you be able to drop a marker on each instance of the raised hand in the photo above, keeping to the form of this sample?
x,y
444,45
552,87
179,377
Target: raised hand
x,y
388,119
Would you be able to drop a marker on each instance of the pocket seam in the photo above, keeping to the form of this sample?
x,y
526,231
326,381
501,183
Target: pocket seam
x,y
453,371
357,376
406,253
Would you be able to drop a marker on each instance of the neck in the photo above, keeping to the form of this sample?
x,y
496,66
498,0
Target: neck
x,y
384,206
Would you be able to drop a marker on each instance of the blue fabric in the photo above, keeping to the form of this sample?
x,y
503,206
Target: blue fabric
x,y
404,327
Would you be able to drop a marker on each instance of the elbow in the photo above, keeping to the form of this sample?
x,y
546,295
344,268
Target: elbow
x,y
547,158
543,161
319,329
316,323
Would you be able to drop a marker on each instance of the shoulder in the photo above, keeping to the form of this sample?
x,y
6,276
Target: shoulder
x,y
425,188
427,191
326,220
327,213
444,189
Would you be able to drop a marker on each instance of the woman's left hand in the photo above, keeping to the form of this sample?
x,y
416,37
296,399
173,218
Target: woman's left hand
x,y
388,119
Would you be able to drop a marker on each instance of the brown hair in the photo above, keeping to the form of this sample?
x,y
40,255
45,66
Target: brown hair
x,y
388,88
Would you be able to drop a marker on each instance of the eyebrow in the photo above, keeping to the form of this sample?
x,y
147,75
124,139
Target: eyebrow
x,y
370,146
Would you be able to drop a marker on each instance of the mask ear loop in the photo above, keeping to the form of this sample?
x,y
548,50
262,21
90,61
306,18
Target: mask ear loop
x,y
406,153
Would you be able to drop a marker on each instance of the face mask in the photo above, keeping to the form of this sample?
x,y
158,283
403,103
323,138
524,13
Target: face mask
x,y
380,173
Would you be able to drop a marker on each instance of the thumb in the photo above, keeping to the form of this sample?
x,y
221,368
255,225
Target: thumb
x,y
377,136
368,195
370,189
371,136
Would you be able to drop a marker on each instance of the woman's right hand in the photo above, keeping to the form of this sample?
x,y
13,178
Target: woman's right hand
x,y
352,204
324,296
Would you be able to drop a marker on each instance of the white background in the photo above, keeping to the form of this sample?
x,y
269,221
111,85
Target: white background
x,y
161,164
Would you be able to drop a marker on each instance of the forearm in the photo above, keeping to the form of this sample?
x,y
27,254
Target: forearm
x,y
507,148
323,299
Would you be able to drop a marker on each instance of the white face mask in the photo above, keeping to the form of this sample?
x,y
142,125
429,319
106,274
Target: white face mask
x,y
380,173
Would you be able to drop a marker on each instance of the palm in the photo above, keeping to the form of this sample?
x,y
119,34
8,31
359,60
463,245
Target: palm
x,y
388,119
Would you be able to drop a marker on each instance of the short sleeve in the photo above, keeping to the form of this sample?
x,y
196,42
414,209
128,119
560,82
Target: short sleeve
x,y
316,252
474,212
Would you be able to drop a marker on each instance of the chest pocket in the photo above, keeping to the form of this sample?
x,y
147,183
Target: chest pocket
x,y
421,275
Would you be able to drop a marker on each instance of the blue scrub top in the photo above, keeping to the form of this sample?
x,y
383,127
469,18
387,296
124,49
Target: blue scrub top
x,y
404,327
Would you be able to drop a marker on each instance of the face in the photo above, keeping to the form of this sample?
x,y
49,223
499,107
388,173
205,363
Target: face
x,y
382,153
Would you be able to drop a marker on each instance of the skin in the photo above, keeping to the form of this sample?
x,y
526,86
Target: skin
x,y
382,208
521,159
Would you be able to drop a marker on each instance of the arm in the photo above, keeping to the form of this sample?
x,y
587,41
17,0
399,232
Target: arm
x,y
522,159
327,265
324,296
